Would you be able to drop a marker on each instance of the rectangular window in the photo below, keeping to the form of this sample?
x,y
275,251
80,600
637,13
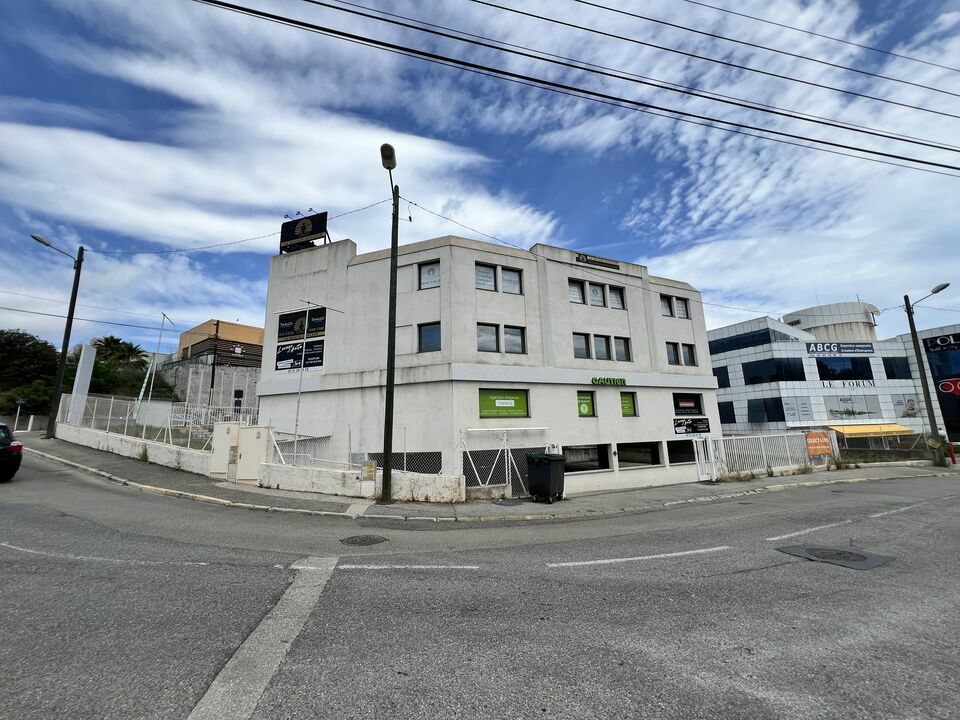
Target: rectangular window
x,y
765,410
723,376
727,413
514,340
683,308
673,353
577,292
622,348
597,296
755,411
429,337
754,338
638,454
897,368
844,368
583,458
485,277
585,403
512,281
616,298
689,355
773,370
666,306
581,345
680,451
429,275
488,338
628,404
601,347
687,404
502,403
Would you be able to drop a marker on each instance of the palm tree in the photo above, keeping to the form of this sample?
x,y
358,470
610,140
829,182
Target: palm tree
x,y
121,352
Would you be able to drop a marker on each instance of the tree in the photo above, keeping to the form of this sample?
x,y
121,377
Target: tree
x,y
121,352
27,367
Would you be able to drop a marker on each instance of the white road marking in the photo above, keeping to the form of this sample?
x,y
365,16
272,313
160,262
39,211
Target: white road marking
x,y
898,510
235,692
610,561
810,530
93,558
408,567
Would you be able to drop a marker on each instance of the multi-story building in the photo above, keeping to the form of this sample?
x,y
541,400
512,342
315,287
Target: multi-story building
x,y
824,367
532,347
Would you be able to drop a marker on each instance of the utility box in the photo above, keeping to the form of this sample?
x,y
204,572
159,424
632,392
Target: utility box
x,y
226,438
255,448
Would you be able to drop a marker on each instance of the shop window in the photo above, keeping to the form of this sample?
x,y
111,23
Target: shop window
x,y
628,404
586,403
638,454
727,413
723,376
488,338
688,404
581,345
597,296
485,277
512,281
577,293
673,353
616,298
897,368
601,347
584,458
428,337
680,451
514,340
621,346
429,275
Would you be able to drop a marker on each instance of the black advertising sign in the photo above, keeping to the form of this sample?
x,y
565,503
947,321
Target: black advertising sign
x,y
840,348
291,326
691,426
313,355
316,322
288,357
942,343
598,261
300,233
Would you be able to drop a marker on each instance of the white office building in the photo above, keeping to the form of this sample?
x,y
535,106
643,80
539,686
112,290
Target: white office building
x,y
496,348
823,367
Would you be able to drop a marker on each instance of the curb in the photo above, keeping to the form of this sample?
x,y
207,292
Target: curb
x,y
482,519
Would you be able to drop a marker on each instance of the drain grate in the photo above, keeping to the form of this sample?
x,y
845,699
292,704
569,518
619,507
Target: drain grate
x,y
363,540
849,558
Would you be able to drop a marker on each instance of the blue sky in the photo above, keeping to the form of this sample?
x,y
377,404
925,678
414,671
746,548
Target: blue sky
x,y
155,126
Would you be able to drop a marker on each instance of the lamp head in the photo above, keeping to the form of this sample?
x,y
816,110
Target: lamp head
x,y
41,239
940,287
388,157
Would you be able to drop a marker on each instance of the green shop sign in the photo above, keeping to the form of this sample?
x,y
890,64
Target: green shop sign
x,y
503,403
628,405
585,404
608,381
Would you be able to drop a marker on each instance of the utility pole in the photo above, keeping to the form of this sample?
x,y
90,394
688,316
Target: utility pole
x,y
389,159
213,367
938,454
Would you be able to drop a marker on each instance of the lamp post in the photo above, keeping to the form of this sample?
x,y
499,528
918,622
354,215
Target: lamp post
x,y
938,456
389,159
58,382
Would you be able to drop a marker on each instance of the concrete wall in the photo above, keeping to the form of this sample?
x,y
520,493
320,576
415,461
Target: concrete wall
x,y
195,461
404,486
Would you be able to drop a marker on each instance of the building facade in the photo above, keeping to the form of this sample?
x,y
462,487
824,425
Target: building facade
x,y
493,345
824,367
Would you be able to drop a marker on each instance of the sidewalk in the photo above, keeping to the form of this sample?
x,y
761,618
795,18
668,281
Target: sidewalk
x,y
166,481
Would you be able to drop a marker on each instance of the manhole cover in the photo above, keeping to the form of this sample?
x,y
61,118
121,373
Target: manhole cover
x,y
849,558
363,540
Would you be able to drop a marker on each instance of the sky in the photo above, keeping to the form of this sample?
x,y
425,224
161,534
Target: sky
x,y
147,127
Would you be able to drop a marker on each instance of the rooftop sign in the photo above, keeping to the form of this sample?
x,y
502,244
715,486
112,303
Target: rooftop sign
x,y
300,233
598,261
840,348
943,342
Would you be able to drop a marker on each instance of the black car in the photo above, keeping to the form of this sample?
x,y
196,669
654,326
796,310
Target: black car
x,y
10,454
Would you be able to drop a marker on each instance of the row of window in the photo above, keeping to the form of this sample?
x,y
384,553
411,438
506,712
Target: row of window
x,y
601,347
828,368
598,295
681,354
587,458
683,403
489,336
754,338
677,307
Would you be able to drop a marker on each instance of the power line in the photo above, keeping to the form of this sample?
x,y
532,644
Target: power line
x,y
79,319
821,35
540,82
62,301
609,72
223,244
764,47
706,58
654,82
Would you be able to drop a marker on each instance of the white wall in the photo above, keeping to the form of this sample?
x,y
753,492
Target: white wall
x,y
195,461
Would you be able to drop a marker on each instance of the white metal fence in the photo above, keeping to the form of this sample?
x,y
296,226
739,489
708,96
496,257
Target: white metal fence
x,y
741,455
183,414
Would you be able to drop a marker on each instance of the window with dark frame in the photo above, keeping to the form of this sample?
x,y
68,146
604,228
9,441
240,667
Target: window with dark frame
x,y
673,353
638,454
628,404
682,308
615,295
586,403
844,368
727,413
429,275
688,404
488,337
722,374
897,368
485,277
666,306
514,339
680,451
577,292
428,337
511,281
689,355
601,347
621,346
598,297
581,345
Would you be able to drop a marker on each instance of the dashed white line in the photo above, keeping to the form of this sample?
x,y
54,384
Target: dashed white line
x,y
898,510
610,561
408,567
93,558
810,530
235,692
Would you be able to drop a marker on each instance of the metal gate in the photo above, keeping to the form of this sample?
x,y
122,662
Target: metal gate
x,y
490,458
706,465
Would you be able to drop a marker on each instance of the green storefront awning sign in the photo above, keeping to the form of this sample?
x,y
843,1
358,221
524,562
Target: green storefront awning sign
x,y
503,403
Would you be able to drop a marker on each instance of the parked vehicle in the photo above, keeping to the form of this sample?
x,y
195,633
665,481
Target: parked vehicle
x,y
11,452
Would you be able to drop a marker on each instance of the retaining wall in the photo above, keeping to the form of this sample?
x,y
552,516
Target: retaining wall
x,y
195,461
405,486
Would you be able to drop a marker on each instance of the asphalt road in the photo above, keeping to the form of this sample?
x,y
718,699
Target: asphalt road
x,y
116,604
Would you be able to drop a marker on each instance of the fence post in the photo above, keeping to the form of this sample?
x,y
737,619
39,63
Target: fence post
x,y
93,420
110,414
763,450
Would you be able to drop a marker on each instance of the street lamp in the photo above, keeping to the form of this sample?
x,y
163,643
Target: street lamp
x,y
388,157
938,456
58,382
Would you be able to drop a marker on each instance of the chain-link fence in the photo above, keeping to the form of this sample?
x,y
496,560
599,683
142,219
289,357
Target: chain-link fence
x,y
499,457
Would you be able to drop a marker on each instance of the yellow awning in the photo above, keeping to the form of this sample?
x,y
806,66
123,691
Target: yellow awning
x,y
873,430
